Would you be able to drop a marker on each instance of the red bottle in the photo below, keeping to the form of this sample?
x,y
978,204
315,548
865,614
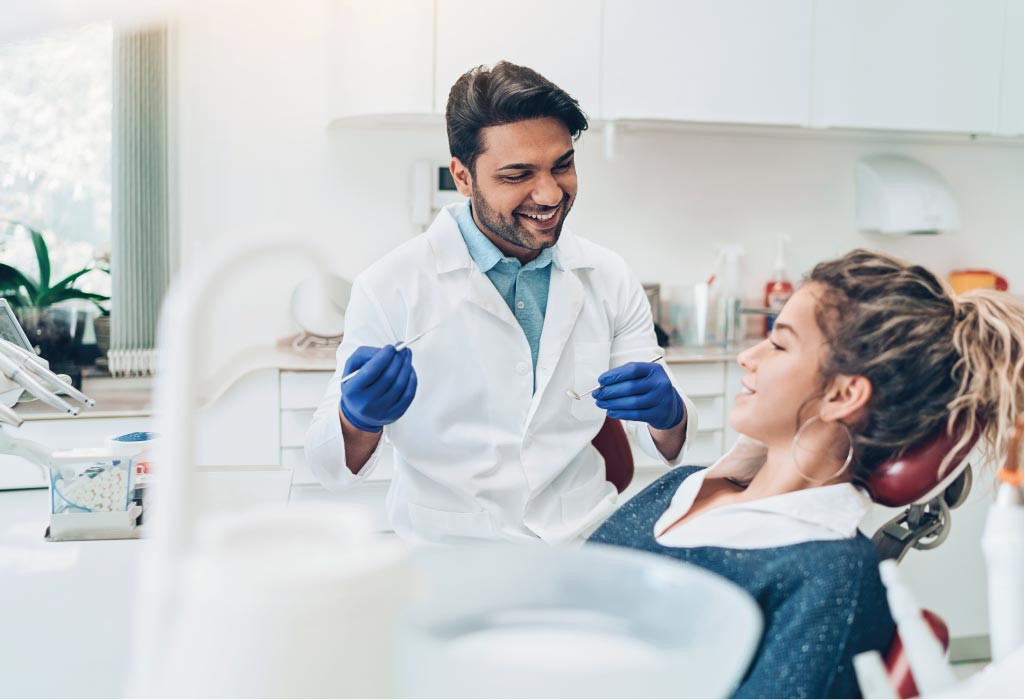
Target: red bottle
x,y
779,290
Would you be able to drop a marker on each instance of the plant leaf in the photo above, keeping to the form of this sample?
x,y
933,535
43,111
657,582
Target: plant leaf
x,y
43,258
12,277
54,296
70,279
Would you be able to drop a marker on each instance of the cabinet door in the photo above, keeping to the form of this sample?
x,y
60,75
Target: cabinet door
x,y
560,39
707,60
381,54
923,65
1011,96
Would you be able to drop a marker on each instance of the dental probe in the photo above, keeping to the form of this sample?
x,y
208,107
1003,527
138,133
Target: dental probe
x,y
31,362
31,385
398,348
574,395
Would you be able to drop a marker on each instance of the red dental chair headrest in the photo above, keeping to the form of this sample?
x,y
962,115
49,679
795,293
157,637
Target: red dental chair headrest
x,y
914,477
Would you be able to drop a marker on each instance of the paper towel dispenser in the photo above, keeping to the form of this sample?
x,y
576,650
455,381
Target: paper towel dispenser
x,y
898,195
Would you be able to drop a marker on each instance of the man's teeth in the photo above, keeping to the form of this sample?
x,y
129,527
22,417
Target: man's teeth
x,y
540,217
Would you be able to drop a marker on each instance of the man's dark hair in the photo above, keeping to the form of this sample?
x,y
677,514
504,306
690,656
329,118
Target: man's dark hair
x,y
507,93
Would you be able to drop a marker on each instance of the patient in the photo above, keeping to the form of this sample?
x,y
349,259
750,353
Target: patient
x,y
870,357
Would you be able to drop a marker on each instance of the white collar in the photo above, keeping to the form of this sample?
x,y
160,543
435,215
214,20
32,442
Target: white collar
x,y
837,508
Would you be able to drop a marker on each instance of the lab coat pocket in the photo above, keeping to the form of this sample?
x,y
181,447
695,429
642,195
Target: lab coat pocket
x,y
590,360
580,502
441,525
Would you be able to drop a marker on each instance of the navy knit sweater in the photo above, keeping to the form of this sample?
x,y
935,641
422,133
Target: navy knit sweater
x,y
822,601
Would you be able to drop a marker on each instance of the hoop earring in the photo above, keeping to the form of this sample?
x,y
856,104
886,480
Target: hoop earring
x,y
846,463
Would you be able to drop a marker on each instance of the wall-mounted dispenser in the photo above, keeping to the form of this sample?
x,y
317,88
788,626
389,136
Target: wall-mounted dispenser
x,y
898,195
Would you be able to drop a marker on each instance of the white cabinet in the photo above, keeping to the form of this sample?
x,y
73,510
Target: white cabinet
x,y
697,60
1011,96
921,65
558,38
382,58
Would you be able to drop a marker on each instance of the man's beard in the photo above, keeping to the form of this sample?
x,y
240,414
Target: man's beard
x,y
511,230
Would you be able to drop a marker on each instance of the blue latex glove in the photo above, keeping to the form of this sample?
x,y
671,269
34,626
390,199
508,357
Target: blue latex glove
x,y
382,390
640,391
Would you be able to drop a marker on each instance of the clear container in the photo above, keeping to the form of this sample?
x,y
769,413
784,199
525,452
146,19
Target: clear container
x,y
534,621
90,480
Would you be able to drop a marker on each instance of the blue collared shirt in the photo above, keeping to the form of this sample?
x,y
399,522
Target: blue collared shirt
x,y
523,287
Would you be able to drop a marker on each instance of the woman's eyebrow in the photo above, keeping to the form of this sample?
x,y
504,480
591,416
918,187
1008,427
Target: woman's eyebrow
x,y
786,327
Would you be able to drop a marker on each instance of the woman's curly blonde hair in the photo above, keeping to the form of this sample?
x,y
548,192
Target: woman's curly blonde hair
x,y
935,360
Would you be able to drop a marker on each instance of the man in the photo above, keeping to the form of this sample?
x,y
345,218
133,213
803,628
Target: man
x,y
515,312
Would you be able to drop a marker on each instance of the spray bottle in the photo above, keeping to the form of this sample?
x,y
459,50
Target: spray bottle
x,y
778,290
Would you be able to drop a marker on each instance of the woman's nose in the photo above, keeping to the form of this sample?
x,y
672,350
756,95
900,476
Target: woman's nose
x,y
748,359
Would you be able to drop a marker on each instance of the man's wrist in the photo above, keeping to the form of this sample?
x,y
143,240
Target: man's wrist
x,y
355,422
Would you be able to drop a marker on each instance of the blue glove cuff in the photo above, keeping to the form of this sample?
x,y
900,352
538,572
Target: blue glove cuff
x,y
678,416
357,423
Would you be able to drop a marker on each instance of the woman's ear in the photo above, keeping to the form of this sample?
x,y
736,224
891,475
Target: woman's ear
x,y
845,398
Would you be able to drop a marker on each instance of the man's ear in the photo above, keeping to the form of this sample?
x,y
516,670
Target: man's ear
x,y
846,398
462,177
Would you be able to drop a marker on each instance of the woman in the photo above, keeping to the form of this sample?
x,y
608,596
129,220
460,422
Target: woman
x,y
870,357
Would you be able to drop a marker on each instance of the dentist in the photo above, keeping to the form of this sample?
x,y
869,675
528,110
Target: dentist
x,y
516,310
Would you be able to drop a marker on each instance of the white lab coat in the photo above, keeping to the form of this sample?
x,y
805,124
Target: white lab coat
x,y
479,454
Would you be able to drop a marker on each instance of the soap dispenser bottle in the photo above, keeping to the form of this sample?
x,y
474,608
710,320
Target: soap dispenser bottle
x,y
778,290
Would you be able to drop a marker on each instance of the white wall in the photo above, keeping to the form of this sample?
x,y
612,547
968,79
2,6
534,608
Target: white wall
x,y
257,160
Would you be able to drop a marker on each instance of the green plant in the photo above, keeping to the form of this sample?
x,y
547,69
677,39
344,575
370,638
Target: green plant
x,y
22,292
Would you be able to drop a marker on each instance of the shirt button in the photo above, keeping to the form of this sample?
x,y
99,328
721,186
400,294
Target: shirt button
x,y
522,368
520,305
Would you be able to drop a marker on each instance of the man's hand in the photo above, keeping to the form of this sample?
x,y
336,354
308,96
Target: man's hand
x,y
640,391
381,391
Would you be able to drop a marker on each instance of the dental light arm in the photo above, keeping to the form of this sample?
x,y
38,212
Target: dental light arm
x,y
27,381
29,361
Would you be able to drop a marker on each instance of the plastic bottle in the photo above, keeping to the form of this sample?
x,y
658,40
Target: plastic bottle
x,y
729,293
779,290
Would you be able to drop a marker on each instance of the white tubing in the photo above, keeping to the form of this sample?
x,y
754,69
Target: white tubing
x,y
1002,545
926,657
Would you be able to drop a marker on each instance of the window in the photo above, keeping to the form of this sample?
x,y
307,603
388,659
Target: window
x,y
55,151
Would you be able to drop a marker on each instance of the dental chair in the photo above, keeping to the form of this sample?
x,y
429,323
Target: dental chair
x,y
613,446
910,482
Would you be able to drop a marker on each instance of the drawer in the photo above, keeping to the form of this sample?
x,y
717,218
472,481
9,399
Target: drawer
x,y
710,412
700,378
294,459
303,389
295,423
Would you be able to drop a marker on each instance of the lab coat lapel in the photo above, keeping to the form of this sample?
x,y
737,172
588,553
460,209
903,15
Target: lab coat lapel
x,y
452,256
565,301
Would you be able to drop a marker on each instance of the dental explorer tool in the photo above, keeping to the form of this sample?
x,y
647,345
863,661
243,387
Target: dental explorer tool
x,y
574,395
398,348
26,381
32,363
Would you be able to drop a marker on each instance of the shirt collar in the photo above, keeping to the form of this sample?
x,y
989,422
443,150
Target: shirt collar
x,y
485,253
837,507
